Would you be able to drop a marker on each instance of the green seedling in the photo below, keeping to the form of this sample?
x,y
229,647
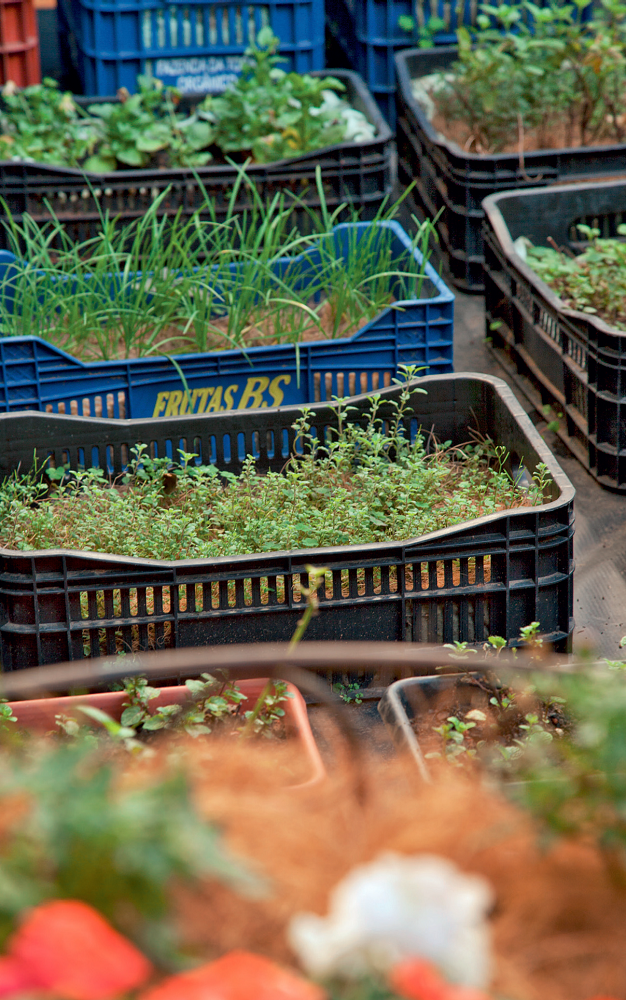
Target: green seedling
x,y
266,113
525,67
369,481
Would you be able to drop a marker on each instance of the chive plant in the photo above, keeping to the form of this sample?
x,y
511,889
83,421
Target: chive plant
x,y
162,285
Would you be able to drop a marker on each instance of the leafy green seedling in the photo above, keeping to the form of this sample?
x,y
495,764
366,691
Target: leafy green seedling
x,y
495,642
525,68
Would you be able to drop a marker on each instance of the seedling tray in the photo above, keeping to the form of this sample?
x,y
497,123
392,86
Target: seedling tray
x,y
455,182
358,174
571,359
489,576
37,375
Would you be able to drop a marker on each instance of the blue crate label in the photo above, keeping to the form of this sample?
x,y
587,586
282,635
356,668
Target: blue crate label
x,y
198,75
256,392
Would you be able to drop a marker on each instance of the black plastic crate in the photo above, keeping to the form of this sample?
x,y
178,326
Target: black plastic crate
x,y
359,174
491,575
571,359
455,182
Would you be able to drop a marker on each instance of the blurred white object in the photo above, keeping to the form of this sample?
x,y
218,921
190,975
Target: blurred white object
x,y
424,87
521,246
357,127
400,907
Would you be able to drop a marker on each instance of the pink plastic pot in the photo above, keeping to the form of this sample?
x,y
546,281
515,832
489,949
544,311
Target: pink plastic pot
x,y
39,715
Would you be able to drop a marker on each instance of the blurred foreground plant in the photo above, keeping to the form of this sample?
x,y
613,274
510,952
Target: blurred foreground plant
x,y
69,829
576,785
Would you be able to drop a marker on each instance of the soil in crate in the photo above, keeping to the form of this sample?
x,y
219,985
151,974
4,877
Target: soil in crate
x,y
265,328
478,715
558,135
554,135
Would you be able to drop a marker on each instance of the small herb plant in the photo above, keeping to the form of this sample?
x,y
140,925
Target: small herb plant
x,y
214,705
423,30
349,692
593,282
529,67
144,126
366,483
169,286
511,719
266,114
576,785
42,124
273,115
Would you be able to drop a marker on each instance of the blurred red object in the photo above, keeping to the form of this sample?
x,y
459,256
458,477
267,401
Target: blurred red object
x,y
239,975
416,979
66,949
19,43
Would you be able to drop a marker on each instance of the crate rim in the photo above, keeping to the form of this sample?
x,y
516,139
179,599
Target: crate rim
x,y
507,160
562,482
383,135
309,656
498,224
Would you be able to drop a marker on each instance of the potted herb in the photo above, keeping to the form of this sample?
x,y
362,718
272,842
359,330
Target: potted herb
x,y
549,733
554,269
208,317
113,158
198,707
398,564
472,716
531,100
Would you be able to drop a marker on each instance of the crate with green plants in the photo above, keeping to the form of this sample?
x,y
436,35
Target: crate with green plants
x,y
204,529
531,96
77,159
164,316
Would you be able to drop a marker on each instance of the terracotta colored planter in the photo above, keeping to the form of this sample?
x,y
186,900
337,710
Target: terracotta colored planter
x,y
39,715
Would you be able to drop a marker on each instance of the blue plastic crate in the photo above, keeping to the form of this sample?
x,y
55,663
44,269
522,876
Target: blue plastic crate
x,y
196,46
34,374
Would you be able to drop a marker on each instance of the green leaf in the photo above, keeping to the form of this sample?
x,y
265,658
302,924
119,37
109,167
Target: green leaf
x,y
131,156
266,39
102,110
113,727
133,716
155,722
199,135
154,138
100,164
